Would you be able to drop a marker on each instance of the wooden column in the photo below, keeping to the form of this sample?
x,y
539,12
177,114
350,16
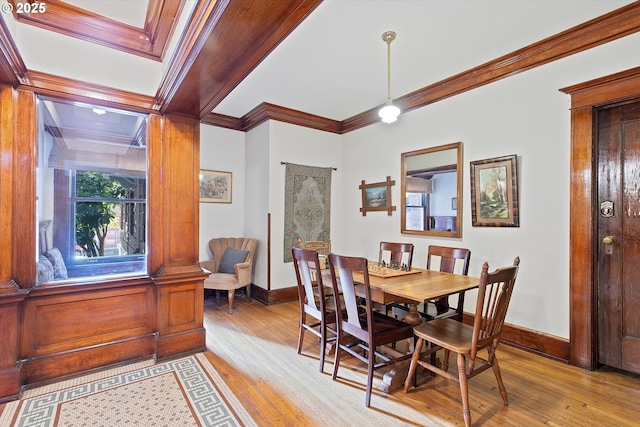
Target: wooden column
x,y
15,146
174,166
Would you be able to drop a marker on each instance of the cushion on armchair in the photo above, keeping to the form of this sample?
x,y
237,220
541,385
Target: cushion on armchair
x,y
59,267
45,270
230,258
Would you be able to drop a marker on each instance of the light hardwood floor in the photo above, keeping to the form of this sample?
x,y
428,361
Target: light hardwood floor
x,y
254,349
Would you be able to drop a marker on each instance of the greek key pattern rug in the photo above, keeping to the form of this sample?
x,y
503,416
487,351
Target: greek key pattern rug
x,y
184,392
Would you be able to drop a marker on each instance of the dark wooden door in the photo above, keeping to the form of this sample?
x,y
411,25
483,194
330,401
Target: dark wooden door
x,y
618,244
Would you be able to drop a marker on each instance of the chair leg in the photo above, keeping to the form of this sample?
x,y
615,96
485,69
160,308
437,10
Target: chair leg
x,y
323,344
301,333
232,294
411,375
496,371
249,292
464,390
370,368
445,361
336,358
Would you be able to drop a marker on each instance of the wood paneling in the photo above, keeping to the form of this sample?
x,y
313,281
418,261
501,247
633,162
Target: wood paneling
x,y
172,260
174,167
58,329
25,137
180,314
50,322
151,41
7,178
582,265
68,329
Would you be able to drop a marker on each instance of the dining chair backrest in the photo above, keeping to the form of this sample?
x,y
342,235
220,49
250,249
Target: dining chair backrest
x,y
310,286
448,257
393,252
342,269
323,248
372,330
312,299
494,295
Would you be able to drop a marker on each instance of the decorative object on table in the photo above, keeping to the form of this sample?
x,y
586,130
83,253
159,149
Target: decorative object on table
x,y
215,186
383,270
377,196
307,206
494,192
181,392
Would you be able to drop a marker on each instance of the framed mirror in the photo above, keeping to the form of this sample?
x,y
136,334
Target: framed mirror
x,y
431,185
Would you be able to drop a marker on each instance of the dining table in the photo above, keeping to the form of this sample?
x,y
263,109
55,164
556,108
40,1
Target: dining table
x,y
410,287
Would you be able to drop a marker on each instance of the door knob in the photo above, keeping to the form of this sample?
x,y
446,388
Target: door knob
x,y
607,240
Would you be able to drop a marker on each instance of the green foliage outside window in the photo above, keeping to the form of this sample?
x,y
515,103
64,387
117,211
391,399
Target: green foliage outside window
x,y
94,217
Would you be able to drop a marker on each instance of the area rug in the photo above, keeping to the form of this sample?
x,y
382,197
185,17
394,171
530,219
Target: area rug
x,y
179,393
307,206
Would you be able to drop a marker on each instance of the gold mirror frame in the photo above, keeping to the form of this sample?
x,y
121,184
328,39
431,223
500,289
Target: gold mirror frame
x,y
436,161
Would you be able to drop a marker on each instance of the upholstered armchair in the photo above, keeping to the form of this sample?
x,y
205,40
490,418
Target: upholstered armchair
x,y
231,265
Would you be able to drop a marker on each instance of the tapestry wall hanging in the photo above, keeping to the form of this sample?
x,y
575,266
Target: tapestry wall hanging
x,y
307,205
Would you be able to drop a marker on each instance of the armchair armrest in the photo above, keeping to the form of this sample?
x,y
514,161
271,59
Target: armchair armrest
x,y
243,272
208,265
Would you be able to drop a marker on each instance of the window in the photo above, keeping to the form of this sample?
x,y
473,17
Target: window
x,y
417,206
91,187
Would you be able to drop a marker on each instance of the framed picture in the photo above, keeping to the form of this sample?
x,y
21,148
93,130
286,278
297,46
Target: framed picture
x,y
494,192
377,196
215,186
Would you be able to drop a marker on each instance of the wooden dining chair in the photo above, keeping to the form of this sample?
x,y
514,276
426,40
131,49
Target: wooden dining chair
x,y
323,248
494,294
371,329
313,301
440,308
392,252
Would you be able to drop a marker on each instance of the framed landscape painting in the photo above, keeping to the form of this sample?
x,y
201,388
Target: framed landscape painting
x,y
494,192
215,186
377,196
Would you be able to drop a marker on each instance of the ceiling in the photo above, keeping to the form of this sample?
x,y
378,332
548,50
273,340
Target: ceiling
x,y
332,64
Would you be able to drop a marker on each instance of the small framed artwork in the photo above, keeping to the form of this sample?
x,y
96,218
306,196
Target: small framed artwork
x,y
454,203
215,186
377,197
494,192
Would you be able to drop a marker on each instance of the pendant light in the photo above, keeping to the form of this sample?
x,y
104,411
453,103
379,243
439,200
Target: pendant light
x,y
389,113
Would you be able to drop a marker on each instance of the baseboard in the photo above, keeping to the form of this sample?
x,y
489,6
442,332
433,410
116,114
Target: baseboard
x,y
275,296
534,341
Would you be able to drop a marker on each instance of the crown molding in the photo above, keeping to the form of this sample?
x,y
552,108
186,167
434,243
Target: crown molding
x,y
12,68
612,26
149,42
75,90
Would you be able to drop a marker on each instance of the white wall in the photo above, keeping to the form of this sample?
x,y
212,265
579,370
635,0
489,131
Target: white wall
x,y
304,146
525,114
223,150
